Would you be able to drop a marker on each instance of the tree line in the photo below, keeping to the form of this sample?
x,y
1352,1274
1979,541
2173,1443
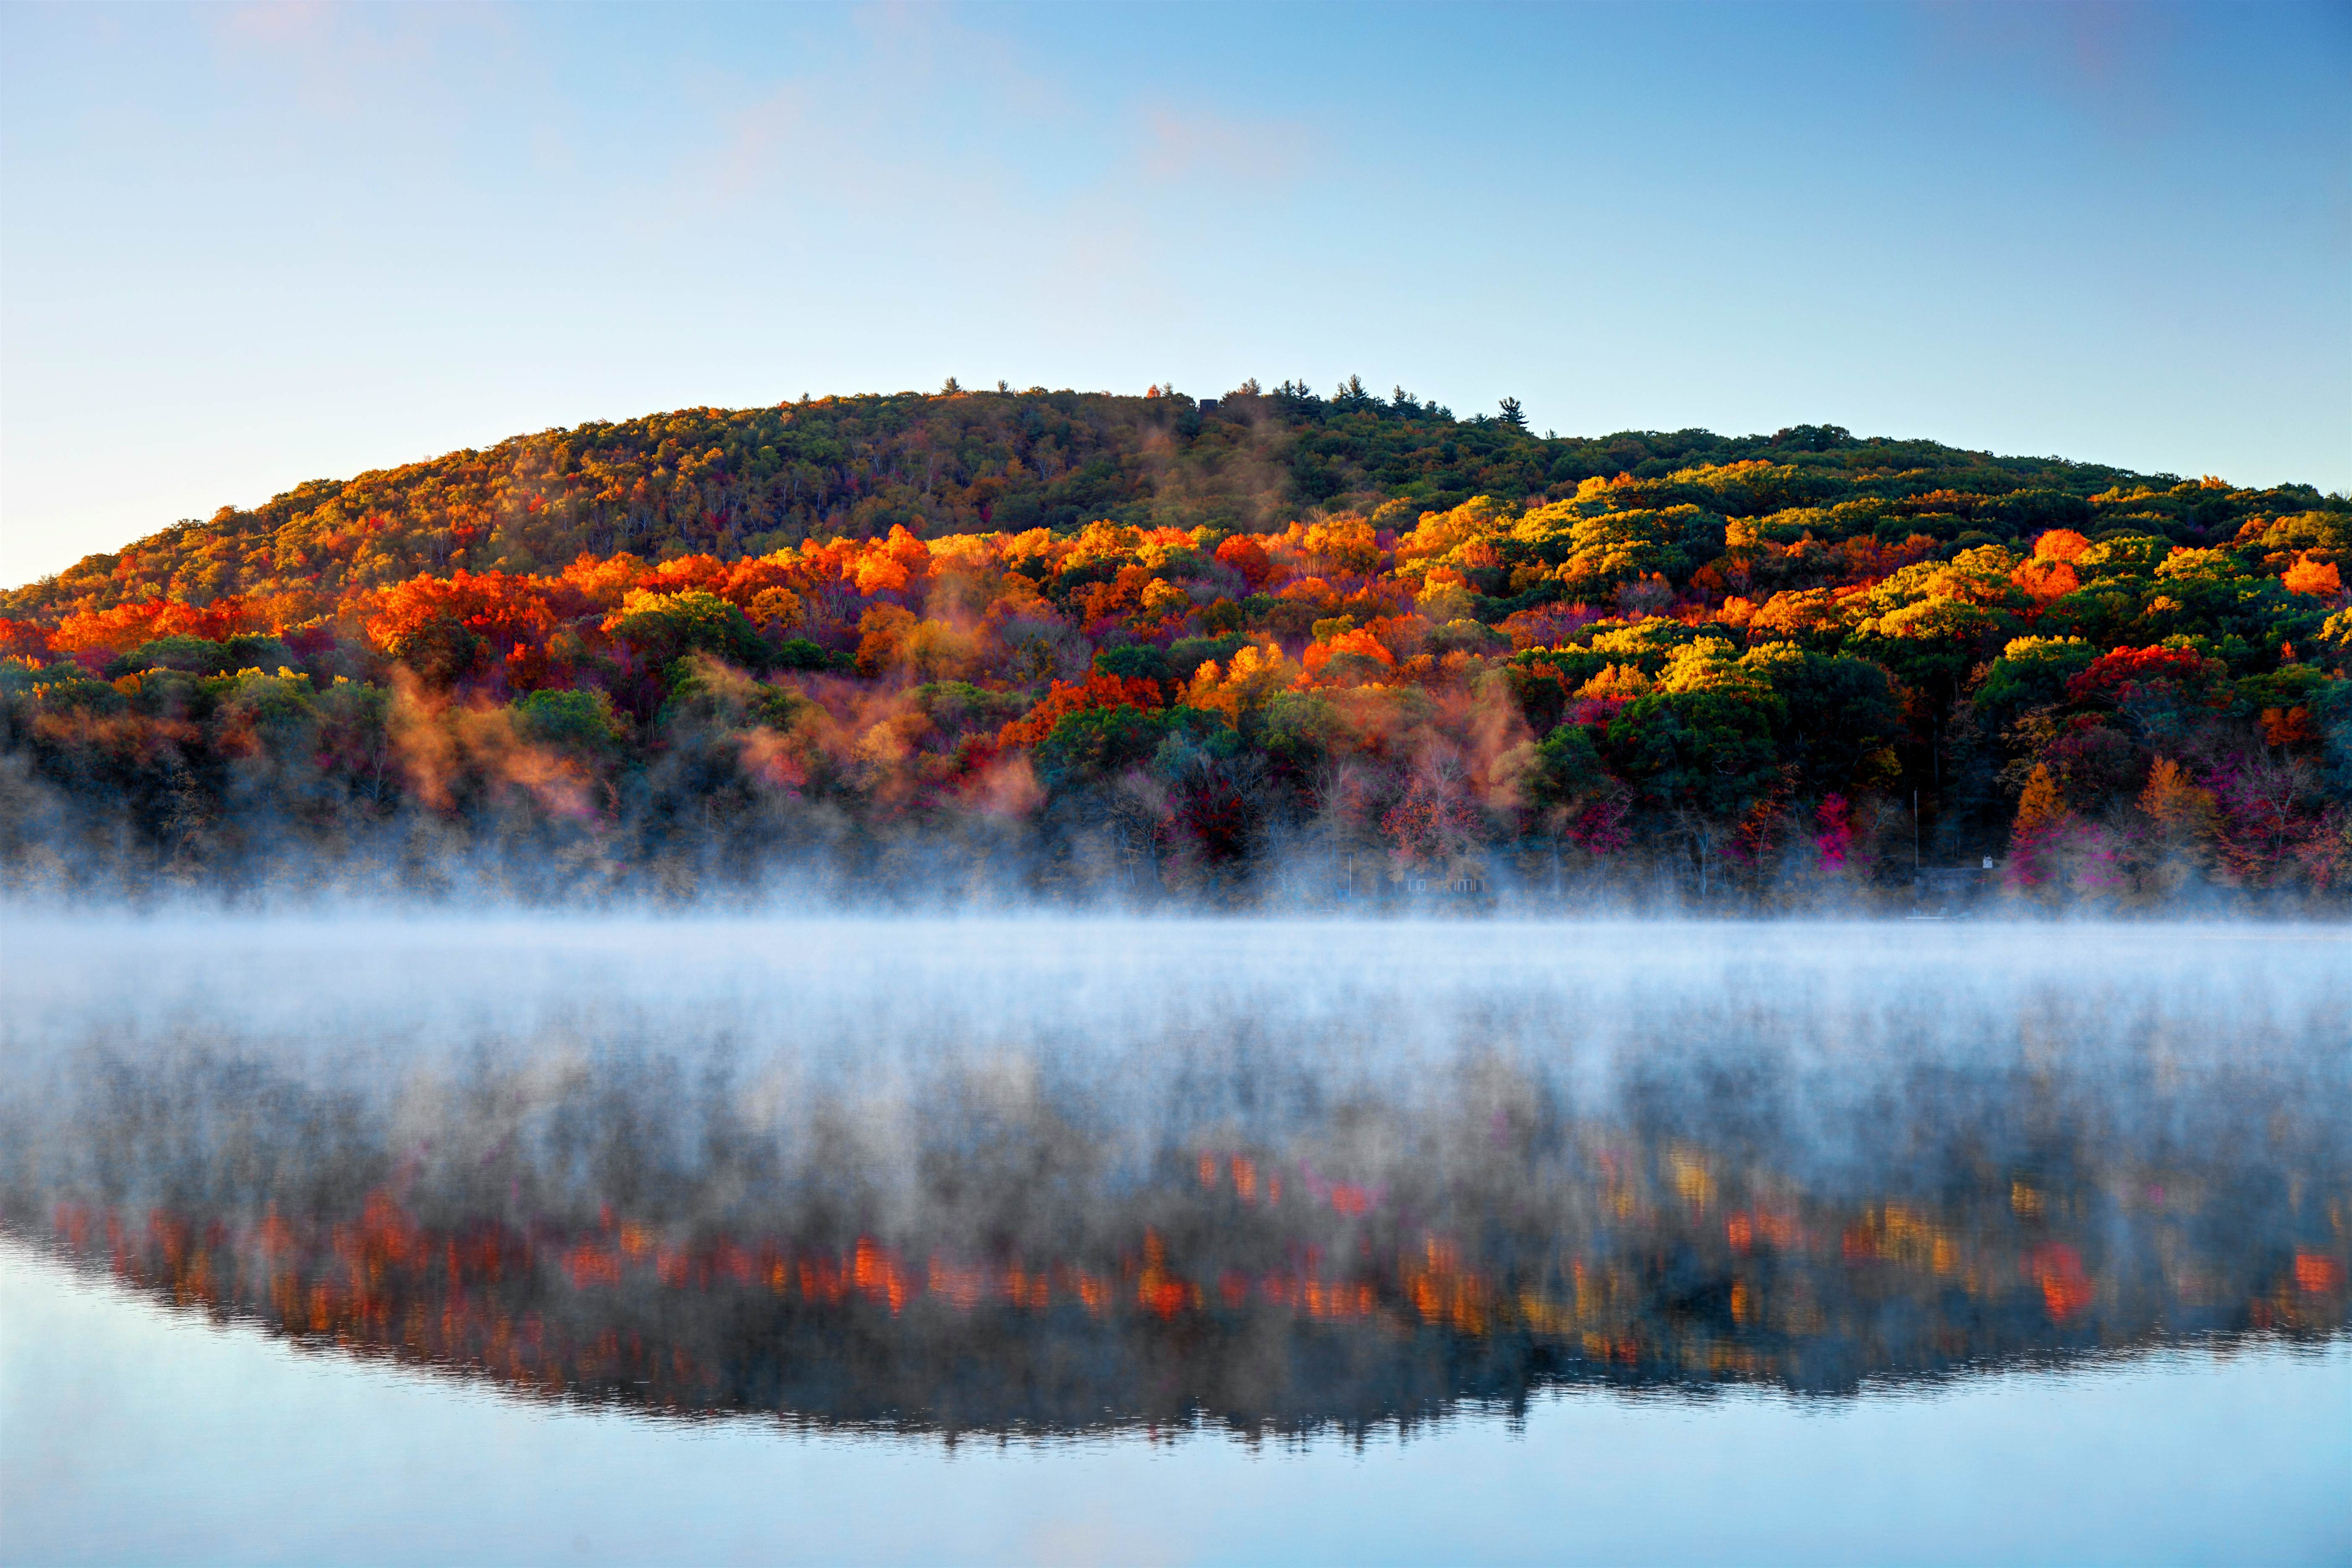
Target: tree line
x,y
1272,648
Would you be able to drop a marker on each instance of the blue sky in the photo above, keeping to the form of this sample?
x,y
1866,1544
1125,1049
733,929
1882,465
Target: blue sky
x,y
245,247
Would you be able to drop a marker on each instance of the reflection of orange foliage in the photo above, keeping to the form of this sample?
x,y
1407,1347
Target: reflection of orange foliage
x,y
1033,1291
1317,1298
588,1264
962,1286
821,1281
1349,1198
1440,1291
377,1279
1780,1230
875,1273
2058,1270
1158,1291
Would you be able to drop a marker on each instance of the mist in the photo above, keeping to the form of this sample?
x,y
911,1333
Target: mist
x,y
1049,1176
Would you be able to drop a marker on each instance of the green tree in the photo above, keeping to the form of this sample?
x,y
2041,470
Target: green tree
x,y
579,722
1839,715
669,626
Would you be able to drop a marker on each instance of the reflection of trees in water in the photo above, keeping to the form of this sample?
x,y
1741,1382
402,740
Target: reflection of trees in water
x,y
621,1229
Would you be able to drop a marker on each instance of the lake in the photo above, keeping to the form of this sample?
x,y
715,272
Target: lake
x,y
394,1238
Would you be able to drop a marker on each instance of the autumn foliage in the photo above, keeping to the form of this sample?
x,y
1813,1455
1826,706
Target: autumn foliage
x,y
1063,700
909,635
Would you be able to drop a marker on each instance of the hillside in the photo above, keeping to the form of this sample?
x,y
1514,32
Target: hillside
x,y
749,481
1272,647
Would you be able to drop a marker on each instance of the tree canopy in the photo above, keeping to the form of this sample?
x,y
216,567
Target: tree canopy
x,y
1064,641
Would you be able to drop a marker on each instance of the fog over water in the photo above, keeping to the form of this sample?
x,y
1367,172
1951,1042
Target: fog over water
x,y
1648,1152
1059,1181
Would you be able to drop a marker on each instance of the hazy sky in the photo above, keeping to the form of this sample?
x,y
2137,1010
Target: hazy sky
x,y
243,247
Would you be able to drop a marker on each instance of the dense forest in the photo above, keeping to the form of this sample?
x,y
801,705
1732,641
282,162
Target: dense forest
x,y
1273,649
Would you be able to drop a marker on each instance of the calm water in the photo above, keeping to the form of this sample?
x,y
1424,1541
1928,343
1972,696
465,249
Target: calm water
x,y
405,1240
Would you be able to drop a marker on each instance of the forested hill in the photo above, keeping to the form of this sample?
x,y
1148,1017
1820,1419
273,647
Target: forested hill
x,y
1279,649
747,481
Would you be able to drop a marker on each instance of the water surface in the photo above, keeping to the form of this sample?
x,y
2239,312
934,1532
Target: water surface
x,y
604,1241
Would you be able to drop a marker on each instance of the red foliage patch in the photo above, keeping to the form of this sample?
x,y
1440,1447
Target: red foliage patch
x,y
1248,557
1098,691
2109,674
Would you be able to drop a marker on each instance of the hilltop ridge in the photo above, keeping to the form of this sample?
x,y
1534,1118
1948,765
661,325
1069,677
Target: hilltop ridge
x,y
734,482
1274,649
